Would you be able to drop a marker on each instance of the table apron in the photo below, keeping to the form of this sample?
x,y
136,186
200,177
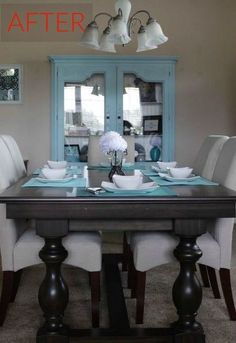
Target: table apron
x,y
118,211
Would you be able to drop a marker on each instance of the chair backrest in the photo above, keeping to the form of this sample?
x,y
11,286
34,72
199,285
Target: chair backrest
x,y
9,231
225,169
208,154
96,156
8,174
225,174
15,154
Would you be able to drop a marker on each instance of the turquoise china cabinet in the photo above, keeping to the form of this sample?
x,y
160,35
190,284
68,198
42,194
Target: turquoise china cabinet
x,y
131,95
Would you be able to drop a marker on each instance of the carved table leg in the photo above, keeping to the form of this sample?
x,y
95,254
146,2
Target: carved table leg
x,y
187,290
53,293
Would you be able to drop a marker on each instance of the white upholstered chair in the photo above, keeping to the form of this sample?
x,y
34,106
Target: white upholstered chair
x,y
96,156
156,248
208,154
19,244
15,154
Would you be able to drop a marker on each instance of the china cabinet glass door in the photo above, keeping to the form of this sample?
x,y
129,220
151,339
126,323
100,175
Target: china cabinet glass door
x,y
84,115
142,116
145,102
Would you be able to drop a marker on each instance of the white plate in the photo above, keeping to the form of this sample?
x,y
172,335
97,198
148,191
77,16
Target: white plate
x,y
167,177
144,188
44,180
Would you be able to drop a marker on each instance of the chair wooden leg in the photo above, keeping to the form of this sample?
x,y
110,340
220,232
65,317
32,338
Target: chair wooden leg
x,y
95,297
16,282
125,257
204,275
132,277
7,286
140,296
213,281
227,291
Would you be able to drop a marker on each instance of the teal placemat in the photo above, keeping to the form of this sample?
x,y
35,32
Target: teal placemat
x,y
198,182
159,192
78,182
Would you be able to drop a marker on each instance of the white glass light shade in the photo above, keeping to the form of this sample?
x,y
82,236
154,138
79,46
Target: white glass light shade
x,y
105,43
125,6
90,36
155,35
119,31
143,43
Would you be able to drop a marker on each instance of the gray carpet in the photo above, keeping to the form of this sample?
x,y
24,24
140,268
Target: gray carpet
x,y
24,316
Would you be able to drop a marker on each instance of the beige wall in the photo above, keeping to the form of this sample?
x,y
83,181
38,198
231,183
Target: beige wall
x,y
201,33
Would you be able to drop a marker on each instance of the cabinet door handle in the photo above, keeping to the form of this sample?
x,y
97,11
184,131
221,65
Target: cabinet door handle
x,y
108,116
119,117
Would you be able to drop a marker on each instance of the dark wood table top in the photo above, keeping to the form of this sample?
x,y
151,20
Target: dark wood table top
x,y
190,202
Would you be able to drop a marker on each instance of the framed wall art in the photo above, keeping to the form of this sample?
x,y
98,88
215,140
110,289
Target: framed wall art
x,y
10,84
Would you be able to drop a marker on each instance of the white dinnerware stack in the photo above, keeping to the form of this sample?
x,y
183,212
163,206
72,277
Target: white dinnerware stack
x,y
166,165
53,173
54,170
180,173
57,164
128,182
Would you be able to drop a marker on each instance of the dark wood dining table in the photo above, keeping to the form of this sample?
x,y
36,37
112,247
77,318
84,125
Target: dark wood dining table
x,y
53,208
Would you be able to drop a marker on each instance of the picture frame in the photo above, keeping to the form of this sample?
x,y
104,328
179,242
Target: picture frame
x,y
11,83
152,124
147,91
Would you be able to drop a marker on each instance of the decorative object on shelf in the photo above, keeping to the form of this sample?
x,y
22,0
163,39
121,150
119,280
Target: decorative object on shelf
x,y
112,144
119,29
155,151
10,83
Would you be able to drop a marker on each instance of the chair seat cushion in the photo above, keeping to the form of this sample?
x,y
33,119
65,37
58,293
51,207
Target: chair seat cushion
x,y
210,251
151,249
84,250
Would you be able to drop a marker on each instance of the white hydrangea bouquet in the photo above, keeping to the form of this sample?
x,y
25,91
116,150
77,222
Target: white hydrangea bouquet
x,y
114,145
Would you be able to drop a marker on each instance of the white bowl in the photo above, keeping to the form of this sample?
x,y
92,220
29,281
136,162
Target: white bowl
x,y
53,173
128,182
179,173
57,164
166,165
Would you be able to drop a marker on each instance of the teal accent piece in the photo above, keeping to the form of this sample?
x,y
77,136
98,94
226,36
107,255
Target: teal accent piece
x,y
155,153
159,192
198,182
78,182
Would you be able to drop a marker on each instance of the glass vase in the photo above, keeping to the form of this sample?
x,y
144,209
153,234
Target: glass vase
x,y
116,158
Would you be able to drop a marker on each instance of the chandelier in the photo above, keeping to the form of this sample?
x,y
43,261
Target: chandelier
x,y
120,28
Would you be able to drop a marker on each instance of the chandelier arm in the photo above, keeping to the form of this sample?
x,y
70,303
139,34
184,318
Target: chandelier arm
x,y
103,13
133,17
132,23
